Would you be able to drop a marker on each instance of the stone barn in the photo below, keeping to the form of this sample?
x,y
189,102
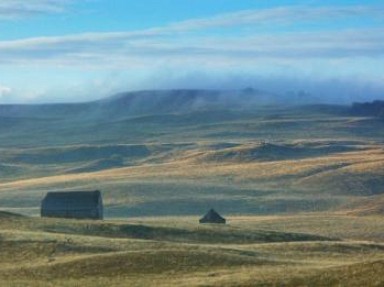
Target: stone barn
x,y
212,217
73,204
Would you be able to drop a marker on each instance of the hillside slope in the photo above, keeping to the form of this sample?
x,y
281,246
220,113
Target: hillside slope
x,y
185,151
180,252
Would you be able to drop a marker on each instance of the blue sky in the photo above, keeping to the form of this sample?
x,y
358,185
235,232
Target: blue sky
x,y
77,50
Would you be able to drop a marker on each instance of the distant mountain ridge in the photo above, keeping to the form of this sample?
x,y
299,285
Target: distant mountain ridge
x,y
147,102
130,116
183,100
182,151
148,116
375,109
151,102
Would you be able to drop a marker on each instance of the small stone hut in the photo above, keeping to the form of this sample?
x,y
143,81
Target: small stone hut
x,y
212,217
73,204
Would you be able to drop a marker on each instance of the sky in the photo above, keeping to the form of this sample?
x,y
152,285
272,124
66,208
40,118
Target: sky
x,y
81,50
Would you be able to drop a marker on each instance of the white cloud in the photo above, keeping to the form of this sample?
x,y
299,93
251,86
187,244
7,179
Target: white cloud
x,y
138,49
192,40
5,91
14,9
229,43
182,43
283,15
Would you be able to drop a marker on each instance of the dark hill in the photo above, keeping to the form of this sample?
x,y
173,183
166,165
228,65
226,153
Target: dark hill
x,y
129,117
149,116
374,109
142,103
181,101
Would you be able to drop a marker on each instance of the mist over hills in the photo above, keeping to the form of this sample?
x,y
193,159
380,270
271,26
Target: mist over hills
x,y
156,116
105,120
148,102
243,151
161,101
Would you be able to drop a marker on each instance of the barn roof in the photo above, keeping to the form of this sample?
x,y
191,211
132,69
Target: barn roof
x,y
71,200
212,216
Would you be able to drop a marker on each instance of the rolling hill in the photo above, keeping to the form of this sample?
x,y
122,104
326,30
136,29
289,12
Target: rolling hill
x,y
301,188
147,150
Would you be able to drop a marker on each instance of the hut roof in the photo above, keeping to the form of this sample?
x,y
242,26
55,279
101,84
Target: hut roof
x,y
71,200
212,217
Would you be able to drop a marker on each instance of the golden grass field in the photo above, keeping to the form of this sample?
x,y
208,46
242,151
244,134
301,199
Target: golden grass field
x,y
302,192
342,250
310,176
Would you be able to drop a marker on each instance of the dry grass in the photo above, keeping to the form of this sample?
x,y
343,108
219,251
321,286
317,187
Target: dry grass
x,y
308,184
330,167
354,162
34,255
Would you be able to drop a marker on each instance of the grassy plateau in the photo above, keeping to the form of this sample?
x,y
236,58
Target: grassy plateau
x,y
301,187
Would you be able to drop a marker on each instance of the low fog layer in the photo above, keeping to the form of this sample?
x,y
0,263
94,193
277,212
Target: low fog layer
x,y
296,91
303,53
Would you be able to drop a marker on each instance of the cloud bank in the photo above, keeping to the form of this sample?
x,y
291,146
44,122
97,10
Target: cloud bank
x,y
282,15
16,9
5,92
294,44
